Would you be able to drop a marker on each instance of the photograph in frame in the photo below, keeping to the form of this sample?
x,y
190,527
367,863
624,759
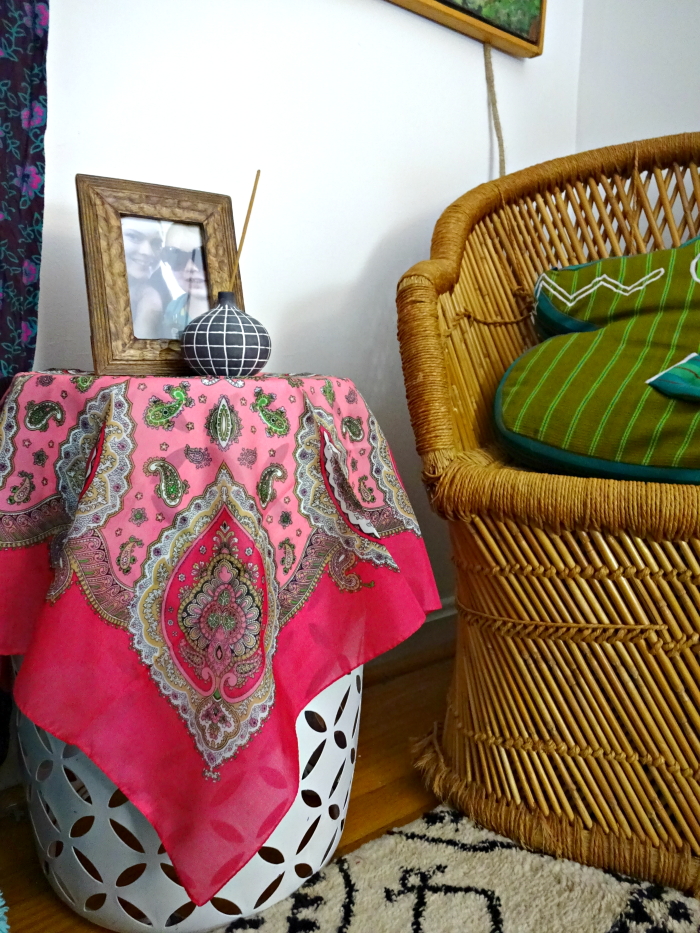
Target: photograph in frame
x,y
167,276
155,258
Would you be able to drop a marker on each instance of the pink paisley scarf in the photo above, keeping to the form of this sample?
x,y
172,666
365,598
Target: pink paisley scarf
x,y
185,565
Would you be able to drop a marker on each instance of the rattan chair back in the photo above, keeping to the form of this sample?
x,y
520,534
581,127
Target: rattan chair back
x,y
573,719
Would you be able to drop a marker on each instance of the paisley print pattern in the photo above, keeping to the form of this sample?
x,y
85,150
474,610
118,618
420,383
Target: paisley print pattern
x,y
340,568
203,592
288,549
269,476
93,471
221,620
126,557
88,557
32,525
80,447
95,461
365,491
22,492
109,469
183,535
38,415
223,424
387,479
352,427
200,456
170,487
208,633
275,419
9,425
83,381
356,531
162,413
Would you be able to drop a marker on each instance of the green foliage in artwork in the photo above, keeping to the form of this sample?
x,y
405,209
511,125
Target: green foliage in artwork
x,y
517,16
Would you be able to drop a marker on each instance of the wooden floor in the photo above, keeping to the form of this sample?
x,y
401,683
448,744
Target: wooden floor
x,y
404,694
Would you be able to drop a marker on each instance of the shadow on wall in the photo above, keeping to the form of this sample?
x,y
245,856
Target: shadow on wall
x,y
64,329
351,331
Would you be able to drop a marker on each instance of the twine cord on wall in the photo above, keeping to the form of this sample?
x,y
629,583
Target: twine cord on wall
x,y
493,107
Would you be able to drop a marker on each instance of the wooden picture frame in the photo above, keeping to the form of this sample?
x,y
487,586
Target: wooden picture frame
x,y
102,203
454,15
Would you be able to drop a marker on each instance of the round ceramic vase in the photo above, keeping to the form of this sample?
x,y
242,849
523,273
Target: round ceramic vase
x,y
105,860
226,341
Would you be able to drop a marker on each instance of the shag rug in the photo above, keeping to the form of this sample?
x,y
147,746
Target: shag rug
x,y
442,874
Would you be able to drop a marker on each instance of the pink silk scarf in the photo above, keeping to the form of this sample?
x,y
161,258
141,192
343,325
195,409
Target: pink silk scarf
x,y
185,564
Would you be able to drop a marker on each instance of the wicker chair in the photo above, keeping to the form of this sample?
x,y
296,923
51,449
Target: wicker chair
x,y
573,717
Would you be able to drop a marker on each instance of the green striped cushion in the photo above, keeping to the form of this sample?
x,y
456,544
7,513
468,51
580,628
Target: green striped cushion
x,y
580,402
583,298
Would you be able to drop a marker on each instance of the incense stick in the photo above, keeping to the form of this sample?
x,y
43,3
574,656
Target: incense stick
x,y
245,227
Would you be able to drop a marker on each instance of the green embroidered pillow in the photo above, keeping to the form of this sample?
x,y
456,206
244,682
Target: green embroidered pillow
x,y
611,392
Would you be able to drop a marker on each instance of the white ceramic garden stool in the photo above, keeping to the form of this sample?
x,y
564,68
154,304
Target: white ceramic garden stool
x,y
105,860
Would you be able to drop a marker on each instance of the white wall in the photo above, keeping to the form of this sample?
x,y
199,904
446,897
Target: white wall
x,y
366,120
639,70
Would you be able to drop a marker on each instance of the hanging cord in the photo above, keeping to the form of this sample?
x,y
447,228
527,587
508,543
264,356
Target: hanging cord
x,y
493,107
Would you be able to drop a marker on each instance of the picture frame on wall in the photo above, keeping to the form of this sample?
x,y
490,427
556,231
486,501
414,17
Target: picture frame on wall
x,y
155,258
513,26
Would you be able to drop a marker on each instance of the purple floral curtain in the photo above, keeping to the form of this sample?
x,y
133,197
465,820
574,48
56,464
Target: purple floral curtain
x,y
24,26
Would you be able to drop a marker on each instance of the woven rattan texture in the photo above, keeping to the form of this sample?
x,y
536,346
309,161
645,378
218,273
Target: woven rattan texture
x,y
573,718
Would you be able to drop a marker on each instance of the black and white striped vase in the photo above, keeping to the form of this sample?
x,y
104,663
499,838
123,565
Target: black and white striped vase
x,y
226,341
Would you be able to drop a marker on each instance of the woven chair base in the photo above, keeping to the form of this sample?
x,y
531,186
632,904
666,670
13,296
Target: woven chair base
x,y
573,717
555,836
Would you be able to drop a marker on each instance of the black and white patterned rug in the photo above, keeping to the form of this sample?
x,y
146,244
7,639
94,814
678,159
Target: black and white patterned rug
x,y
442,874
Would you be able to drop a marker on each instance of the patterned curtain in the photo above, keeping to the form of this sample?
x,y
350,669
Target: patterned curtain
x,y
24,26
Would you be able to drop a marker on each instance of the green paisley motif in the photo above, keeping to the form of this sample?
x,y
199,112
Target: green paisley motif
x,y
223,424
170,487
365,490
126,556
40,413
84,381
162,414
275,420
328,392
353,427
23,490
270,475
288,549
